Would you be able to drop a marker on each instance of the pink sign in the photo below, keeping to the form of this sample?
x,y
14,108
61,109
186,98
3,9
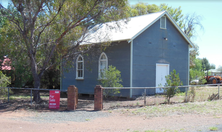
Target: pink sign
x,y
54,99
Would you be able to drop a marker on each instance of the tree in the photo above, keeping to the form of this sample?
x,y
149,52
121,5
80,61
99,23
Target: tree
x,y
191,22
172,82
196,72
143,8
139,9
50,30
176,13
219,69
206,66
111,78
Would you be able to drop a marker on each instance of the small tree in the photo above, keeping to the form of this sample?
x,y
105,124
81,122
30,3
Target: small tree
x,y
4,82
111,78
197,74
172,81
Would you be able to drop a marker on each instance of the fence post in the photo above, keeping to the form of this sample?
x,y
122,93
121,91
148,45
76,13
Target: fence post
x,y
218,91
8,94
187,88
31,96
144,96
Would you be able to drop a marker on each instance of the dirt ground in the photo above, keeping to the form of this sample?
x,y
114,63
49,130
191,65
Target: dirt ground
x,y
12,119
116,122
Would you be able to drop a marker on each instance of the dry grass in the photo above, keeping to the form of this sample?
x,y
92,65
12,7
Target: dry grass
x,y
201,94
207,108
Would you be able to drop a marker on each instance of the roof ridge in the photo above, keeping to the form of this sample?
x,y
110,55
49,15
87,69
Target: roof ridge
x,y
148,14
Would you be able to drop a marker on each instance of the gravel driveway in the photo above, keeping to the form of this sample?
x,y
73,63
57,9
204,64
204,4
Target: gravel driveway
x,y
64,116
23,118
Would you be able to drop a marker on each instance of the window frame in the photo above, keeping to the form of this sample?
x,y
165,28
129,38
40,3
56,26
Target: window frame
x,y
99,68
77,67
161,19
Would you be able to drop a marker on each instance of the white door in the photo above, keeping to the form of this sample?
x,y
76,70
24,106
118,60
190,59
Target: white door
x,y
162,70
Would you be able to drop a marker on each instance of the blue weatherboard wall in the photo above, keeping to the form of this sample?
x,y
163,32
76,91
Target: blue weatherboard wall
x,y
118,55
150,48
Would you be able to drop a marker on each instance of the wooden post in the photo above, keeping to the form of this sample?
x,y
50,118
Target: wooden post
x,y
8,94
187,88
98,97
144,97
31,96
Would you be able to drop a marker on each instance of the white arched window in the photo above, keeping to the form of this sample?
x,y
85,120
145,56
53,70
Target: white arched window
x,y
103,64
79,67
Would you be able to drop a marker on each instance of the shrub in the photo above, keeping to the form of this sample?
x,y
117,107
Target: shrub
x,y
4,82
190,95
172,82
111,78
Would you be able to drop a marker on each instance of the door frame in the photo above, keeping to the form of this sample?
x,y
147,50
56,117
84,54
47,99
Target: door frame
x,y
161,64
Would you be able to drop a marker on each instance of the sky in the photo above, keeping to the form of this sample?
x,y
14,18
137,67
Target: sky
x,y
208,39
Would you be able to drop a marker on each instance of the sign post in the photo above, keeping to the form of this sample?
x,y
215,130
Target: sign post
x,y
54,99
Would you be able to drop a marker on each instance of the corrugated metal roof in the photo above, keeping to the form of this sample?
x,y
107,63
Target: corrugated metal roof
x,y
122,30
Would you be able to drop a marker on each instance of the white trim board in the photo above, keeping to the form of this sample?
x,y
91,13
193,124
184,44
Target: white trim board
x,y
131,68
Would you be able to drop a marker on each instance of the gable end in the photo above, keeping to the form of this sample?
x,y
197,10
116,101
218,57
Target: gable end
x,y
174,23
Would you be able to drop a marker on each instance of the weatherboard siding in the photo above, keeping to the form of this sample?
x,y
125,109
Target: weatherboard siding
x,y
118,55
150,48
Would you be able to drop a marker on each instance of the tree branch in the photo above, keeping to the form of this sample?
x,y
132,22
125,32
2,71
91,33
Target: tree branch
x,y
46,25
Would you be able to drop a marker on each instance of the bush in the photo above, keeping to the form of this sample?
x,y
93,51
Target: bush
x,y
190,95
4,82
111,78
172,81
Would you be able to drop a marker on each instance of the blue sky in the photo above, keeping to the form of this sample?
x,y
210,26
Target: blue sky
x,y
208,40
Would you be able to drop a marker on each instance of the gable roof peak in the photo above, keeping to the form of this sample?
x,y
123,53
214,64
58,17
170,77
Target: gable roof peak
x,y
127,31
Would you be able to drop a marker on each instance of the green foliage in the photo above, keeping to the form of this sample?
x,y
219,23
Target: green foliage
x,y
176,13
143,8
196,72
206,66
51,79
111,78
172,81
4,82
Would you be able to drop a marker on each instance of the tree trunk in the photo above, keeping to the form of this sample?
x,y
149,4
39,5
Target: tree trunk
x,y
36,95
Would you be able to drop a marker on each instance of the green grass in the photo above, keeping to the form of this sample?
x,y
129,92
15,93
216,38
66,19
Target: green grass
x,y
181,94
14,97
213,128
87,119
